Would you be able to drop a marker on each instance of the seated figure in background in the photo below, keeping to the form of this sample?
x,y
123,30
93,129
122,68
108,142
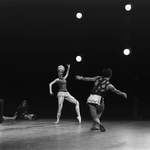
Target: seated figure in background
x,y
23,113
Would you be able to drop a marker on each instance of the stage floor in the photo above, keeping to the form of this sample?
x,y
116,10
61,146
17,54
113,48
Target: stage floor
x,y
44,134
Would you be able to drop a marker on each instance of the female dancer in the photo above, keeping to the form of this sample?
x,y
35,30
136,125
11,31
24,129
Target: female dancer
x,y
96,98
63,93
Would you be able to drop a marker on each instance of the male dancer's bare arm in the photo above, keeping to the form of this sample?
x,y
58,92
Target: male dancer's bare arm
x,y
113,89
86,78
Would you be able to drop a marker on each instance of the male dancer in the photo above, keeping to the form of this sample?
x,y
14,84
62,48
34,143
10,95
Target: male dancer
x,y
96,98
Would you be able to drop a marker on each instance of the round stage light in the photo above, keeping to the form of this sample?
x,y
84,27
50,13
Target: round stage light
x,y
127,51
79,15
128,7
78,58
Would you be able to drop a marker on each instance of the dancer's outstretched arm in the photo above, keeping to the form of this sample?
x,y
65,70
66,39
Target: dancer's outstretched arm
x,y
67,73
113,89
86,78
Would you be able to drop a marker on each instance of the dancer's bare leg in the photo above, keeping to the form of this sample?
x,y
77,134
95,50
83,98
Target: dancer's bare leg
x,y
9,118
77,106
100,110
60,106
93,112
94,125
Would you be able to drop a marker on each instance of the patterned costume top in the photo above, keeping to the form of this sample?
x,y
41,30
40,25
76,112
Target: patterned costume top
x,y
100,86
62,84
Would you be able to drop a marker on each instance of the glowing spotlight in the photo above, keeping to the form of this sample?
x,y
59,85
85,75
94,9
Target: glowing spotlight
x,y
79,15
78,58
128,7
127,51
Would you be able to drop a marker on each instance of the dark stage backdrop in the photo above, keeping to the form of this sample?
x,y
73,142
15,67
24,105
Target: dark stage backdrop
x,y
37,36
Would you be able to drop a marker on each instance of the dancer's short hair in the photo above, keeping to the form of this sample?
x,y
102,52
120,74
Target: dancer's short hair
x,y
107,72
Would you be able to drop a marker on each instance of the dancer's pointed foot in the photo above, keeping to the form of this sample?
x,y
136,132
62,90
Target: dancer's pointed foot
x,y
79,119
57,122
